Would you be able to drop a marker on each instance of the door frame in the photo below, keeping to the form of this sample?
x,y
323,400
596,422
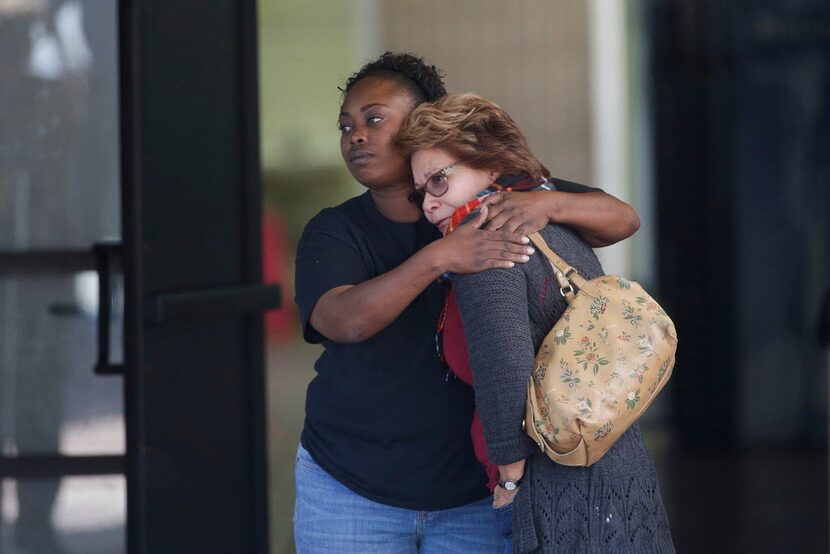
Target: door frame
x,y
166,511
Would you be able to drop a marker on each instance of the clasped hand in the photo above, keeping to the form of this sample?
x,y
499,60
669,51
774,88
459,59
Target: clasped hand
x,y
469,249
495,237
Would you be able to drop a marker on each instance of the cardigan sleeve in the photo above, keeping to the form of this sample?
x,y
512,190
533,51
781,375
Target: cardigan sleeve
x,y
494,312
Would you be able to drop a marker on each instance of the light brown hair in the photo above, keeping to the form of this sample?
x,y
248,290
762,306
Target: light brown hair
x,y
472,129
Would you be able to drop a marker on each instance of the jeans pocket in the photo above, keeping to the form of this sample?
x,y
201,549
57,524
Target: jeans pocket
x,y
504,521
304,458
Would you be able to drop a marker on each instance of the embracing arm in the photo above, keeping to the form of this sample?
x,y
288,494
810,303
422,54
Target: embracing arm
x,y
356,312
601,219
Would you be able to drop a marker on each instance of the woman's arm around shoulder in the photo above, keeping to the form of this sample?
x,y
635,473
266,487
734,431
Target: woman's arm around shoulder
x,y
600,218
355,305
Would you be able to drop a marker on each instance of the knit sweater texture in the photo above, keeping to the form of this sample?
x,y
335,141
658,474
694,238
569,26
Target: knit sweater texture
x,y
613,506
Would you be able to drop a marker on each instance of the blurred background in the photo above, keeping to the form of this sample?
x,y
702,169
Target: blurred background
x,y
711,118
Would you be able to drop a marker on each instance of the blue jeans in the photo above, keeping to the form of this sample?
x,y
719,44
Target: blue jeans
x,y
504,527
329,517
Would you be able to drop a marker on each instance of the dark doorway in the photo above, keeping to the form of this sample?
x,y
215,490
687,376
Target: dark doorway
x,y
742,131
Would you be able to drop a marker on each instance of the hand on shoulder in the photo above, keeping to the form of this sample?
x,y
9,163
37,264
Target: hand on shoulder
x,y
470,249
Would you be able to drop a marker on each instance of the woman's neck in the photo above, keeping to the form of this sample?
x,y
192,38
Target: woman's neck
x,y
393,204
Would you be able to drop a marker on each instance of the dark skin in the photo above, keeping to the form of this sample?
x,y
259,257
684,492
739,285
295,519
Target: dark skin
x,y
600,219
371,115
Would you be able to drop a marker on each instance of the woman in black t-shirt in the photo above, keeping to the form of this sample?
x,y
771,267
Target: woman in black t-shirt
x,y
386,461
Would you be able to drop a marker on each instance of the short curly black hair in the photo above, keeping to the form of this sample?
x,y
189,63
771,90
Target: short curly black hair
x,y
424,82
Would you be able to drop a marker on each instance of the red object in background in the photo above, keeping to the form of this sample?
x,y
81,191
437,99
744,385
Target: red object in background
x,y
280,323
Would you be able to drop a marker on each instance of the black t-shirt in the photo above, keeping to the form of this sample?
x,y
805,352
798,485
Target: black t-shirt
x,y
380,417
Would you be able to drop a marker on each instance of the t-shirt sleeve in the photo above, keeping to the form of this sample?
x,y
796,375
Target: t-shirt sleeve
x,y
567,186
328,256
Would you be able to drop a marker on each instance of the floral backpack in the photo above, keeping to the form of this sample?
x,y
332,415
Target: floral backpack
x,y
599,368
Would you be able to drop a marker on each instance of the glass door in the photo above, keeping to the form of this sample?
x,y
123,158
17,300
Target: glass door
x,y
62,434
132,397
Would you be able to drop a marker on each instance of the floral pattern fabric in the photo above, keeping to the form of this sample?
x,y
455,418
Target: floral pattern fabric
x,y
598,369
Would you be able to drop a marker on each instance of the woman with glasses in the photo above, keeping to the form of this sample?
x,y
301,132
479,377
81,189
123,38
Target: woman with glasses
x,y
492,325
386,463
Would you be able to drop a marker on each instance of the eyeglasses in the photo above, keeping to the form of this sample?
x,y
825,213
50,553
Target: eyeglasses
x,y
436,184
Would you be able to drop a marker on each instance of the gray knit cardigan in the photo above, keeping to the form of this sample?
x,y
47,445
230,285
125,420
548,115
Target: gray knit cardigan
x,y
613,506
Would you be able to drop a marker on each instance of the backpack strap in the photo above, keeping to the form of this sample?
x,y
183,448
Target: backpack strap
x,y
564,272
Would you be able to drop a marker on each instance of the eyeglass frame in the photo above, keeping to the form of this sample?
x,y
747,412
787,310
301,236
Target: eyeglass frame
x,y
418,195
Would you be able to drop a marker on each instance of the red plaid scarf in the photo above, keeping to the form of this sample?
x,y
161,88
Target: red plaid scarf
x,y
521,183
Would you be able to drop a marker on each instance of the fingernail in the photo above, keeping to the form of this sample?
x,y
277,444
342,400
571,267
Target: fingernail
x,y
510,264
525,240
525,258
531,250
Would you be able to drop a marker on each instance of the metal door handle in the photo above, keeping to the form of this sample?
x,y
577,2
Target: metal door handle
x,y
211,301
107,262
